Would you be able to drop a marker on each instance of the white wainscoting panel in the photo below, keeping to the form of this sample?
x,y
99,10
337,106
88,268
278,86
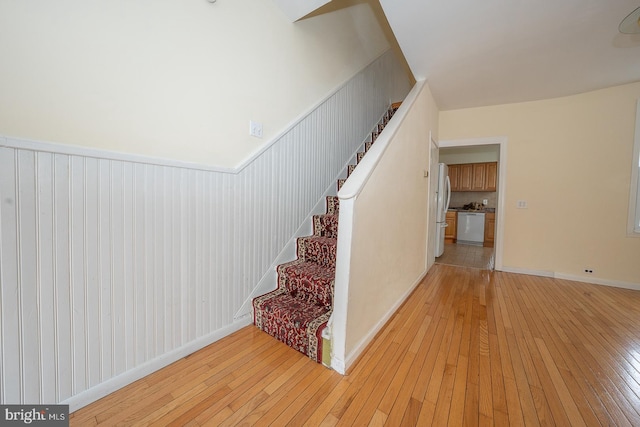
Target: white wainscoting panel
x,y
107,264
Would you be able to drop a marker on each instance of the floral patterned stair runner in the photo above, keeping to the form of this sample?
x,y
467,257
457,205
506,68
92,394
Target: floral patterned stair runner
x,y
297,311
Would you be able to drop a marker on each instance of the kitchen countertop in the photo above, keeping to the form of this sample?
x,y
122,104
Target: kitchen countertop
x,y
484,210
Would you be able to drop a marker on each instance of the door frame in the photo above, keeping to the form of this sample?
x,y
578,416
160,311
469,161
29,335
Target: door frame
x,y
434,154
501,141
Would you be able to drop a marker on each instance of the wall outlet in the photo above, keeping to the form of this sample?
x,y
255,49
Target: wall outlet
x,y
485,202
255,129
588,270
522,204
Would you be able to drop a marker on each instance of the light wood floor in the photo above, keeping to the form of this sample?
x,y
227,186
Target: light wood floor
x,y
468,347
467,256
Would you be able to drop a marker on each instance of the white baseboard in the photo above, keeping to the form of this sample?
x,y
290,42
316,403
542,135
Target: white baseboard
x,y
103,389
572,277
517,270
598,281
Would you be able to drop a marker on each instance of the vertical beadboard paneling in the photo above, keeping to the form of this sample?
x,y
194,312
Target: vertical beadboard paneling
x,y
91,261
45,268
121,254
137,309
62,278
135,349
12,383
77,226
108,264
105,262
28,273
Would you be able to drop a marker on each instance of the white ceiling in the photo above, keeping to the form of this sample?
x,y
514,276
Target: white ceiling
x,y
486,52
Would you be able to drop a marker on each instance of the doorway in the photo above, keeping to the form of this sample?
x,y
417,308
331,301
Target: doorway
x,y
477,150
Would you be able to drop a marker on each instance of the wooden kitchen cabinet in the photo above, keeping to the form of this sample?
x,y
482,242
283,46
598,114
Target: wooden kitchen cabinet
x,y
465,177
454,173
489,229
450,233
474,176
491,176
479,177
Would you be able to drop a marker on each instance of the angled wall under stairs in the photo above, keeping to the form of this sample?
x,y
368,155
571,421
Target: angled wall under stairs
x,y
298,310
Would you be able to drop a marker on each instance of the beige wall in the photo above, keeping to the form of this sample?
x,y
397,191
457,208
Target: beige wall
x,y
389,237
570,160
473,154
172,79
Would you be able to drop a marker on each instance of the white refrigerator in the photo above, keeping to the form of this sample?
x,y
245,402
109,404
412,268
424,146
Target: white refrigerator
x,y
443,198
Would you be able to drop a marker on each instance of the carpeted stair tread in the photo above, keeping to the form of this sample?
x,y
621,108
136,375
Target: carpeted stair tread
x,y
295,322
308,281
318,249
325,225
333,205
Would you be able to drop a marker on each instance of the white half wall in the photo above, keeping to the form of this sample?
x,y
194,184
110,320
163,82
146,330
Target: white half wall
x,y
382,239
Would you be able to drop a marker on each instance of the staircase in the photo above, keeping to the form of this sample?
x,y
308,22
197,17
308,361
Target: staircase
x,y
297,311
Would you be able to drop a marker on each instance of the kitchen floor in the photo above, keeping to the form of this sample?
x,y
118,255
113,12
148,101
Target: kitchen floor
x,y
467,256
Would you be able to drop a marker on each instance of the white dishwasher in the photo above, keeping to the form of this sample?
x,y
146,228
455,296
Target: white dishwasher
x,y
470,228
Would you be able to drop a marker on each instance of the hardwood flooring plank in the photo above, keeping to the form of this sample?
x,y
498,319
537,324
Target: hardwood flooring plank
x,y
371,393
530,333
315,401
443,404
180,418
284,396
300,399
381,377
439,325
323,410
209,395
374,371
599,400
236,394
485,402
597,363
568,404
370,407
590,408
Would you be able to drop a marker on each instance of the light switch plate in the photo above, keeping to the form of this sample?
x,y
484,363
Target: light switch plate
x,y
255,129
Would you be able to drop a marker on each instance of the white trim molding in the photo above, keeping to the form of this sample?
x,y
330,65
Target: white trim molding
x,y
574,278
633,222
